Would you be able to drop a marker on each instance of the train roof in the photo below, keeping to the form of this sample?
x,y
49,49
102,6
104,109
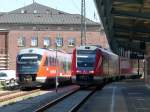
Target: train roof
x,y
87,47
41,51
94,47
32,50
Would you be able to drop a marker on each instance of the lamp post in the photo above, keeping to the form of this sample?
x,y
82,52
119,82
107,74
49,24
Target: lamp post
x,y
56,78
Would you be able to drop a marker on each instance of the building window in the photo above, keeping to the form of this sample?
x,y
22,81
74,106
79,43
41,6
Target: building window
x,y
34,28
46,42
34,41
47,11
21,41
71,41
23,11
59,41
35,11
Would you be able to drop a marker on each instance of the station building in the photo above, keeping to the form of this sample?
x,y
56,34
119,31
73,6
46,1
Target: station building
x,y
40,26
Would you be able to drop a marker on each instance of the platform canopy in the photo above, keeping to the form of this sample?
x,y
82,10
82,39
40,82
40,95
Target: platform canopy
x,y
126,23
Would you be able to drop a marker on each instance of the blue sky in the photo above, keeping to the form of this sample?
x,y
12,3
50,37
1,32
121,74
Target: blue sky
x,y
70,6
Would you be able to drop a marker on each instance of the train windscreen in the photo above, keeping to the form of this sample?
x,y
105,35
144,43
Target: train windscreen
x,y
86,59
29,58
28,63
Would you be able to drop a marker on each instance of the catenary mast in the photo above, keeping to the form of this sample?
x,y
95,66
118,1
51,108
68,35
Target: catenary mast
x,y
83,23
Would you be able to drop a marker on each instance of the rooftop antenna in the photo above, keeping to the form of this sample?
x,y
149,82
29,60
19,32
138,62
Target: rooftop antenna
x,y
83,23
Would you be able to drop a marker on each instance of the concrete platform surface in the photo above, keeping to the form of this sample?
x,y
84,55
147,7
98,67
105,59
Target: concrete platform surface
x,y
123,96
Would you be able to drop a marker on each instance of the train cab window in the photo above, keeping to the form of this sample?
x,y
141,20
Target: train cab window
x,y
86,58
86,62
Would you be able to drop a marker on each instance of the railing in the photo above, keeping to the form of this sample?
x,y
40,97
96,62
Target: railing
x,y
4,59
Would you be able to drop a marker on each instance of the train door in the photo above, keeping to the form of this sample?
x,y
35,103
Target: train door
x,y
105,63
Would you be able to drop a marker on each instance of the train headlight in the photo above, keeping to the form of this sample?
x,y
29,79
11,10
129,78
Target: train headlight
x,y
47,68
78,71
39,62
91,71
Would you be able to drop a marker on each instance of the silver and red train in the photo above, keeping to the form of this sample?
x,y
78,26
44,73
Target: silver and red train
x,y
94,65
37,67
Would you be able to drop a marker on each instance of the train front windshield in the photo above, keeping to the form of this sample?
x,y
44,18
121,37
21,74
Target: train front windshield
x,y
28,63
86,59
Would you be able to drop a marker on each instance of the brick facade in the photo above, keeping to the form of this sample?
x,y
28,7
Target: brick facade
x,y
23,25
13,48
3,42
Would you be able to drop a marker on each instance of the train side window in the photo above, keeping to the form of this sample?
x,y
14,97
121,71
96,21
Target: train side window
x,y
61,66
53,61
67,65
49,60
105,63
56,61
46,62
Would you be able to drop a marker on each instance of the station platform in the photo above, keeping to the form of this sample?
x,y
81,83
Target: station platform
x,y
125,96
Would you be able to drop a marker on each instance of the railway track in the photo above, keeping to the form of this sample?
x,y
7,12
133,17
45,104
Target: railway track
x,y
12,95
73,99
8,92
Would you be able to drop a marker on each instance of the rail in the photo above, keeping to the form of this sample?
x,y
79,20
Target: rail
x,y
75,105
16,94
54,102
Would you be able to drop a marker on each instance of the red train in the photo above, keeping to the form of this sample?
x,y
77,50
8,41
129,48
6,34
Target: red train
x,y
37,67
93,65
